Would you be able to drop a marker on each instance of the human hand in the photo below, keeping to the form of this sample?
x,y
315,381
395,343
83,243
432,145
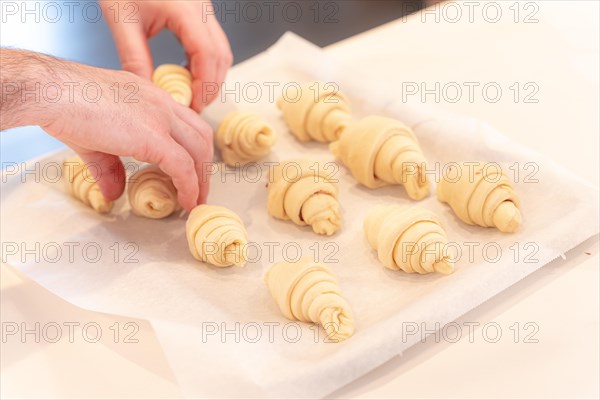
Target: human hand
x,y
149,126
206,45
103,114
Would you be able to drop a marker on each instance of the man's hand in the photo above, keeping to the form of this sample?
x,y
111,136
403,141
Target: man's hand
x,y
103,114
196,27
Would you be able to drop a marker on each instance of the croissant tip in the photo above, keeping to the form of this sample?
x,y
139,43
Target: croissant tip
x,y
103,210
443,267
417,188
100,205
326,227
338,329
507,217
334,148
264,140
439,191
235,258
511,226
418,195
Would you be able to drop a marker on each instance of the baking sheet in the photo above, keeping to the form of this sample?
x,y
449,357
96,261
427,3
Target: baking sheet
x,y
186,301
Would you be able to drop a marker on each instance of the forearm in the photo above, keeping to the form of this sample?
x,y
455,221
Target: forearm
x,y
31,87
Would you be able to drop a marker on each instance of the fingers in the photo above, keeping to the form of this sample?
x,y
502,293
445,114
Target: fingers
x,y
209,57
204,73
180,166
225,59
182,156
107,170
196,137
133,49
204,185
176,162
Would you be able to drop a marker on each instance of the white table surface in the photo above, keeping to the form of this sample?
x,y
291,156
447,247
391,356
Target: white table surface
x,y
559,54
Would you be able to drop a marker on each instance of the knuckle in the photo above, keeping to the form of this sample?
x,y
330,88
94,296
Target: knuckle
x,y
211,51
143,151
186,165
159,124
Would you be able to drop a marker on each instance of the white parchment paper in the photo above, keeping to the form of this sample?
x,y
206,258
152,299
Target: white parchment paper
x,y
221,332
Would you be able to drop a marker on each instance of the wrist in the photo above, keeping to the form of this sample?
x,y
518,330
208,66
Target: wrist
x,y
30,85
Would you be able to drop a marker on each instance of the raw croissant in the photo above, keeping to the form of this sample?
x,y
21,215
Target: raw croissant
x,y
308,292
244,137
408,238
83,186
303,191
482,195
151,193
217,236
381,151
176,80
320,113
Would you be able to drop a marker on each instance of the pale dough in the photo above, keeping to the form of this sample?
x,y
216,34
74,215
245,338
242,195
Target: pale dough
x,y
83,186
305,192
408,238
481,194
176,80
151,193
309,292
381,151
319,112
244,137
216,235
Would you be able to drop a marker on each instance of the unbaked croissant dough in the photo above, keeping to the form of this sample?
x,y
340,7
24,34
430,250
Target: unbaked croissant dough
x,y
309,292
305,192
481,194
319,112
244,137
176,80
151,193
408,238
83,186
381,151
216,235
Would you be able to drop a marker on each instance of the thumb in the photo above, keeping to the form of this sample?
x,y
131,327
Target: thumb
x,y
108,172
132,46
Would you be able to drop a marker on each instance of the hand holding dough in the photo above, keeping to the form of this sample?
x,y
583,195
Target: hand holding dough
x,y
83,186
381,151
408,238
151,193
176,80
303,191
244,137
308,292
319,113
481,195
217,236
